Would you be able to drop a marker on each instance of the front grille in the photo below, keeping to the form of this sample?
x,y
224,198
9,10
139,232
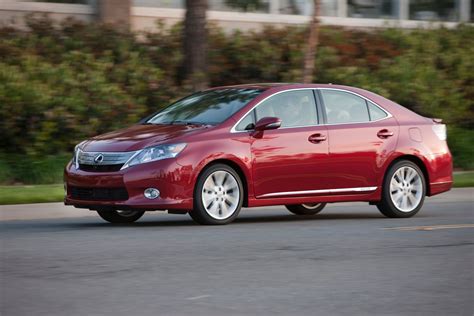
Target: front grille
x,y
107,162
100,168
108,158
98,194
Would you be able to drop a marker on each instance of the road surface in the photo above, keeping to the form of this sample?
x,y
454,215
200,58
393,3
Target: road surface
x,y
348,260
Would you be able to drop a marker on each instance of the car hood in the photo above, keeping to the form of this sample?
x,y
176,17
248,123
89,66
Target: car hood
x,y
137,137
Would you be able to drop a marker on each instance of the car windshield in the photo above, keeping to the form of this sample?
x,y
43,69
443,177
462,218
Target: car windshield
x,y
207,107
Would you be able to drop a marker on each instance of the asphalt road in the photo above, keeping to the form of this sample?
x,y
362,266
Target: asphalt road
x,y
349,260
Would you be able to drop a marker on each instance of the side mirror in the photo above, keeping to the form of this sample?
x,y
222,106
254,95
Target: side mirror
x,y
267,123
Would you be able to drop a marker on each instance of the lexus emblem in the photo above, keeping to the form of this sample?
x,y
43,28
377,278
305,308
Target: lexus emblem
x,y
99,158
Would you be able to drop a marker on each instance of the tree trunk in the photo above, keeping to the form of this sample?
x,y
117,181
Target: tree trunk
x,y
115,12
313,39
195,44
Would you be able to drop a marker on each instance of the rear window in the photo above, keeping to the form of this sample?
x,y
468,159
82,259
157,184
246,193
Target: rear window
x,y
375,112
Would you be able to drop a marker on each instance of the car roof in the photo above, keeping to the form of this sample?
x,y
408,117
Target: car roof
x,y
262,86
283,86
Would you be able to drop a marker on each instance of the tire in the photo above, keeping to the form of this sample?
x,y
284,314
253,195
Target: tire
x,y
403,190
120,217
218,196
306,209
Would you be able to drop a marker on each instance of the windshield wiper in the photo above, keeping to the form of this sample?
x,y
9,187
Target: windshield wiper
x,y
181,122
150,123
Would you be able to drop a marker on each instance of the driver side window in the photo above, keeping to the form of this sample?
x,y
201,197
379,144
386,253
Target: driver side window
x,y
247,122
294,108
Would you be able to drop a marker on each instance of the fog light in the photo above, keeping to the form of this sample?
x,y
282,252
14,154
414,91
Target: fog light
x,y
151,193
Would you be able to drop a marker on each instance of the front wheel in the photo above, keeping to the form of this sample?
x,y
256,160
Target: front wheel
x,y
403,190
218,196
120,217
306,209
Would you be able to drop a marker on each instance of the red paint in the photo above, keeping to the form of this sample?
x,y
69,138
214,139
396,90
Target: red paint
x,y
272,161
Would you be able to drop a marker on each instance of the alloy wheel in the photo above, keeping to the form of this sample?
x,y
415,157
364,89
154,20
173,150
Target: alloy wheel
x,y
220,195
406,189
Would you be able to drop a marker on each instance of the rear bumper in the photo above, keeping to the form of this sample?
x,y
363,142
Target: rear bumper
x,y
440,170
172,180
440,187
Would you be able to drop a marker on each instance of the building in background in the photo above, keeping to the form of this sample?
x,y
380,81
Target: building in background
x,y
252,14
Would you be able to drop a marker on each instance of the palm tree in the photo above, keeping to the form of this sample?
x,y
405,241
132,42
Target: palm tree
x,y
312,45
195,44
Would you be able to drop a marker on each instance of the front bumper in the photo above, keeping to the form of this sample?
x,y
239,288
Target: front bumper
x,y
171,179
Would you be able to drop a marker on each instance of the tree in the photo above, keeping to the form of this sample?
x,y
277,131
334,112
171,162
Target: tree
x,y
312,45
195,44
114,12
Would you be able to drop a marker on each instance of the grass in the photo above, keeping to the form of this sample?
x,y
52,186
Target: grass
x,y
464,179
23,194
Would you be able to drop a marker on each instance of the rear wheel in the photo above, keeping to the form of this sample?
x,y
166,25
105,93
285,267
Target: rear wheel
x,y
120,217
306,209
218,196
403,191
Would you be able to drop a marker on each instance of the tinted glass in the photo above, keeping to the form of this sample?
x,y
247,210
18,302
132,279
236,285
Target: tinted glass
x,y
247,123
207,107
375,112
381,9
434,10
294,108
344,107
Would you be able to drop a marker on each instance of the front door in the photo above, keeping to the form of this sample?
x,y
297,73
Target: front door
x,y
292,160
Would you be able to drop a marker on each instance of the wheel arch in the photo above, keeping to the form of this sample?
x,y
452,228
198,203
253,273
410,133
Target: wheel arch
x,y
237,168
417,161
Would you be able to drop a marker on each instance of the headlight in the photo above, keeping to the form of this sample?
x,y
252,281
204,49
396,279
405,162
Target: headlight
x,y
75,158
154,153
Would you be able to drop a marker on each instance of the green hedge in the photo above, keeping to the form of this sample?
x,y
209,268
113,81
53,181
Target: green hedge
x,y
60,84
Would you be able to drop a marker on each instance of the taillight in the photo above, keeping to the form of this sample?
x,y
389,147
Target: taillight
x,y
440,131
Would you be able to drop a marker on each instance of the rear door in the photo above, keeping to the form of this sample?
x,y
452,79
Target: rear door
x,y
362,135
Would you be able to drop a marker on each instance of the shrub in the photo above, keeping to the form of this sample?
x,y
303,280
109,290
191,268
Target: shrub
x,y
60,84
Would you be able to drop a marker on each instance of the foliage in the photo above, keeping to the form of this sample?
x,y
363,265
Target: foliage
x,y
60,84
26,169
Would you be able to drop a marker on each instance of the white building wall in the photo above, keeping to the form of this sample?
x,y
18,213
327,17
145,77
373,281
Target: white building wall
x,y
12,12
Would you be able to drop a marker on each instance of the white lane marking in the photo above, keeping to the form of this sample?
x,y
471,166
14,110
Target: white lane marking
x,y
197,297
433,227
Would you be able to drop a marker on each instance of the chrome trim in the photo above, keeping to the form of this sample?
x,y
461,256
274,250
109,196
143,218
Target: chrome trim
x,y
389,115
441,182
109,158
344,190
233,130
126,164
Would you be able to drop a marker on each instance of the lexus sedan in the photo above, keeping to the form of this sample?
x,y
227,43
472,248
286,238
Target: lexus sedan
x,y
299,145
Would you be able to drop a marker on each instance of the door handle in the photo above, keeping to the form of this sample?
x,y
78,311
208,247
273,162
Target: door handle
x,y
317,138
384,133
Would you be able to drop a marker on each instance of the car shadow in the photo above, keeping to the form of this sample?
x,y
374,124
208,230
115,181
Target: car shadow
x,y
62,224
243,220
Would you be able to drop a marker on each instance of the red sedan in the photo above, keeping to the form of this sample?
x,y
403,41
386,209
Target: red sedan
x,y
302,146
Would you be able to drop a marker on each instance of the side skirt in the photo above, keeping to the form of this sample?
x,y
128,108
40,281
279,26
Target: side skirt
x,y
374,196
